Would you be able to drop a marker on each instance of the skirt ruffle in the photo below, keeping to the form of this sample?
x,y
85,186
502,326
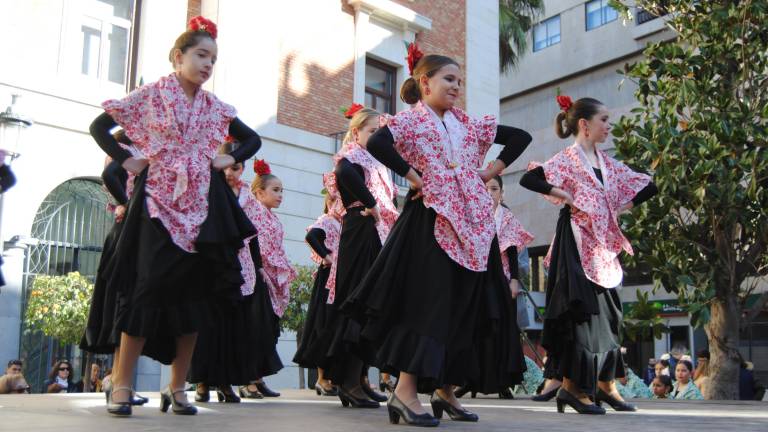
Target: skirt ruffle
x,y
316,318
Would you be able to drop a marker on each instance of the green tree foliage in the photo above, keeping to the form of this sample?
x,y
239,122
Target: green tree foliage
x,y
58,306
301,291
516,18
701,128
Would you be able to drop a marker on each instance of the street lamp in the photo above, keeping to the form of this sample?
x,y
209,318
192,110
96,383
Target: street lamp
x,y
12,124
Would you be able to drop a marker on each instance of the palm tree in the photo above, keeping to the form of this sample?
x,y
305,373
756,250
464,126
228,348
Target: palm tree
x,y
516,18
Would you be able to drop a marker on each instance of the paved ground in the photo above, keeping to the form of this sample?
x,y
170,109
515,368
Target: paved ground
x,y
303,411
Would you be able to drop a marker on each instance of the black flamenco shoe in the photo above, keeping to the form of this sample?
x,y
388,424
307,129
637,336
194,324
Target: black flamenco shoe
x,y
226,395
565,398
616,404
545,397
506,394
461,391
372,395
247,394
397,410
202,397
322,391
138,400
456,414
122,409
167,400
347,399
266,391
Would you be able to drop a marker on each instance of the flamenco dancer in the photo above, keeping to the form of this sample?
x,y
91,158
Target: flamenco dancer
x,y
435,286
323,239
583,311
273,279
183,228
368,193
225,352
99,336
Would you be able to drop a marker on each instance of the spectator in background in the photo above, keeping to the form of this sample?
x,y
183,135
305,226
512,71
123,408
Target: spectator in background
x,y
13,381
662,366
661,387
650,371
60,379
684,388
675,355
701,375
631,386
106,382
94,384
746,379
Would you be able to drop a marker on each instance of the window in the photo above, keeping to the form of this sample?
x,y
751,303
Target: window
x,y
105,31
380,86
537,273
546,33
599,13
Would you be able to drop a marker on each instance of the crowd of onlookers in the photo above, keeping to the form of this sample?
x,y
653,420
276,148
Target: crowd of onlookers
x,y
59,379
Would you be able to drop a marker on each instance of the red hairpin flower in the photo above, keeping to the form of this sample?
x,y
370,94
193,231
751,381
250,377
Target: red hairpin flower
x,y
352,110
200,23
565,102
414,55
229,139
261,167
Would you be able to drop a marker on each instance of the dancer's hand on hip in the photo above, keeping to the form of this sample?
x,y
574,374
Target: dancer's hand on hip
x,y
373,212
223,161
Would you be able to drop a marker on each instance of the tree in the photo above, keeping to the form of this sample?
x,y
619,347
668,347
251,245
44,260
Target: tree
x,y
58,306
701,128
296,311
642,321
515,20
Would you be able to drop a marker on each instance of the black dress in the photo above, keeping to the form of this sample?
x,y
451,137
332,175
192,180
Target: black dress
x,y
424,314
100,336
318,302
336,345
164,292
582,323
266,360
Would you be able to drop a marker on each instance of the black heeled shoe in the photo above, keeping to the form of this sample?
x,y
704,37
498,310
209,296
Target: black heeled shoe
x,y
122,409
372,395
545,397
456,414
566,398
322,391
247,394
202,397
616,404
266,391
138,400
167,400
506,394
226,395
347,399
397,410
461,391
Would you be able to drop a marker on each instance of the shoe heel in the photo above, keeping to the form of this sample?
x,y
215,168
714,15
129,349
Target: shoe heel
x,y
220,396
344,401
165,403
437,411
560,406
106,395
317,390
394,416
474,394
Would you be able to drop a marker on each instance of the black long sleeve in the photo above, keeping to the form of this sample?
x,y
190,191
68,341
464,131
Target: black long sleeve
x,y
381,145
351,181
536,181
115,177
316,240
255,253
514,140
514,268
101,132
645,194
7,179
250,142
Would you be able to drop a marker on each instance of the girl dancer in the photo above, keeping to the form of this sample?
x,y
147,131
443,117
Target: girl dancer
x,y
367,192
225,351
274,274
323,239
183,227
435,286
583,316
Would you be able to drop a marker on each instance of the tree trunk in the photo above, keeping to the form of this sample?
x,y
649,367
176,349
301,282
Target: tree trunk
x,y
723,336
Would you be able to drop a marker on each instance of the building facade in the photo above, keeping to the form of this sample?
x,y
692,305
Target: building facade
x,y
288,67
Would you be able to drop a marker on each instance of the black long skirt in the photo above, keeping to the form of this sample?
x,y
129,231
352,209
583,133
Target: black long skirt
x,y
424,314
338,343
100,336
316,317
583,320
265,359
164,292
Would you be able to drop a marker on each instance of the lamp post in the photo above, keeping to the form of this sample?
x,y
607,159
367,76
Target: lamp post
x,y
12,125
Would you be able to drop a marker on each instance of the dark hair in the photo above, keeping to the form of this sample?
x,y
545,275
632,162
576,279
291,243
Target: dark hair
x,y
122,138
55,370
703,354
187,40
665,380
228,148
428,65
664,363
567,122
688,365
16,362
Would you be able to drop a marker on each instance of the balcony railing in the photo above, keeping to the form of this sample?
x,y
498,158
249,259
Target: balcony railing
x,y
643,16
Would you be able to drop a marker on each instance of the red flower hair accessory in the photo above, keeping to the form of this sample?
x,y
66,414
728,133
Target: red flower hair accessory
x,y
200,23
261,167
229,139
565,102
352,110
414,55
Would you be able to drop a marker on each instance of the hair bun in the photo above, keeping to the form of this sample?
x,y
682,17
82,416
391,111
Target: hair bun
x,y
200,23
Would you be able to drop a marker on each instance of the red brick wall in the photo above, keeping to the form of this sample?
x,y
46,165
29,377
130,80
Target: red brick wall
x,y
193,8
